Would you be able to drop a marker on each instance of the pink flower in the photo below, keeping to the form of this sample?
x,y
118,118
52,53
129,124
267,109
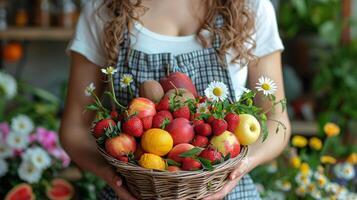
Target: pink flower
x,y
4,130
61,155
48,139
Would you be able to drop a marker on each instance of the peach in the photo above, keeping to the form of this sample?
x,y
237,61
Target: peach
x,y
175,152
226,143
143,107
120,145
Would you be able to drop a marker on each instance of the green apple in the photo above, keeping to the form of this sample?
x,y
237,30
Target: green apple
x,y
248,130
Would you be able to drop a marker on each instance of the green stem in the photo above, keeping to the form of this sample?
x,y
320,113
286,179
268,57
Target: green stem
x,y
113,93
98,102
130,92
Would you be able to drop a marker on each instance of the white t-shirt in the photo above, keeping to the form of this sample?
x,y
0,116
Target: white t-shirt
x,y
88,39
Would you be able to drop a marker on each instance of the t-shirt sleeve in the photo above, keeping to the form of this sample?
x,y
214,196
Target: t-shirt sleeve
x,y
267,37
87,39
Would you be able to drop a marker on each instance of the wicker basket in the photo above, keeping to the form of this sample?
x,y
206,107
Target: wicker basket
x,y
154,184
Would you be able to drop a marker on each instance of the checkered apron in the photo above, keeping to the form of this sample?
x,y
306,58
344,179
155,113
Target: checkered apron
x,y
202,66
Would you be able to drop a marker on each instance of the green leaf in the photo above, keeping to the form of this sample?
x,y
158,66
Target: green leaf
x,y
92,107
227,157
172,162
206,164
191,153
265,130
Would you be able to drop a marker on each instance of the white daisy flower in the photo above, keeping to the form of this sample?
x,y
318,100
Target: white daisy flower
x,y
266,85
217,91
38,157
240,90
301,190
22,124
126,80
28,172
274,195
109,70
332,187
272,167
17,141
351,196
4,168
283,185
320,179
202,108
344,171
316,194
342,193
303,179
5,151
8,86
89,90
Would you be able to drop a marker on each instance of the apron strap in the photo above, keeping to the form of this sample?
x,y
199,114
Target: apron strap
x,y
219,22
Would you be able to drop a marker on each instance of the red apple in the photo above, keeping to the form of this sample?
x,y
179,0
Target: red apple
x,y
142,107
175,152
181,131
120,145
178,80
191,164
226,143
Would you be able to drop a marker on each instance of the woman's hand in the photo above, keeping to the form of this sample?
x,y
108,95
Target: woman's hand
x,y
116,183
244,167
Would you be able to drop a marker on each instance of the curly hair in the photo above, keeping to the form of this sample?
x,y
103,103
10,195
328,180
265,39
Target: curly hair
x,y
236,32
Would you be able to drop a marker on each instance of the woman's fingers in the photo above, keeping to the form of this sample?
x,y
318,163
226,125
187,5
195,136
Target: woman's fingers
x,y
227,188
241,169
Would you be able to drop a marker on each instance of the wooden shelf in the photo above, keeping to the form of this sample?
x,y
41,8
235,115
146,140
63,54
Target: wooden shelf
x,y
304,128
36,33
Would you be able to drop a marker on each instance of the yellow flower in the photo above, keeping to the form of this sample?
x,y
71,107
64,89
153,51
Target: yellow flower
x,y
305,168
315,143
301,191
295,162
327,160
299,141
331,129
352,159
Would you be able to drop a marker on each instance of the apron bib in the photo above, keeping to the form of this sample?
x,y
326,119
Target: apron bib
x,y
202,66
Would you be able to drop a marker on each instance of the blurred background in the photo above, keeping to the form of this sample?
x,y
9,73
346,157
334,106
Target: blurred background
x,y
320,39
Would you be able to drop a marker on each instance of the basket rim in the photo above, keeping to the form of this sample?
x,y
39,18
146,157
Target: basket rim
x,y
130,166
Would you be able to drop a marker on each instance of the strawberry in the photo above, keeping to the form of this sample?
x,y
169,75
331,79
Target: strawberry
x,y
183,112
195,116
197,122
147,122
202,99
114,114
232,120
210,119
164,104
133,126
218,126
124,159
100,126
203,129
200,141
166,114
160,121
191,164
212,155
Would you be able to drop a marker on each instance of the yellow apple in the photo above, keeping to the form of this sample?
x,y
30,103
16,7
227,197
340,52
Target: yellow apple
x,y
248,130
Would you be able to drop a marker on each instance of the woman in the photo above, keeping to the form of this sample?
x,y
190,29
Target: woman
x,y
227,40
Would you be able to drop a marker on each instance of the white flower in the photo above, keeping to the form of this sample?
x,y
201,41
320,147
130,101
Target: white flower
x,y
301,190
320,179
4,168
332,188
38,157
240,91
28,172
202,108
126,80
22,124
342,193
260,188
8,85
109,70
89,89
17,141
351,196
283,185
266,85
216,91
344,171
273,195
272,167
316,194
5,151
303,179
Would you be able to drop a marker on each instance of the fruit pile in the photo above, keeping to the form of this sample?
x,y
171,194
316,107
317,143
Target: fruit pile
x,y
170,127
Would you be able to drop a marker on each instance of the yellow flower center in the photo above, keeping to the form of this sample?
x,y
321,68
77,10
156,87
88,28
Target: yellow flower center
x,y
331,129
127,80
22,125
347,170
217,91
266,86
17,140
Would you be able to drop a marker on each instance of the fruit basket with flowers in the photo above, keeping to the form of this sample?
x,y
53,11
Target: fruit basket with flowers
x,y
171,143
